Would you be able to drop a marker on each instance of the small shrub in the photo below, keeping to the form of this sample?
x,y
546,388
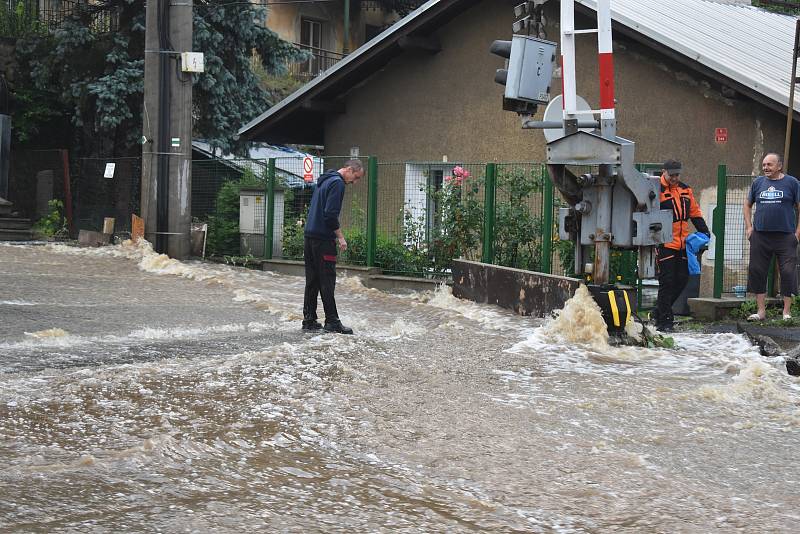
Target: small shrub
x,y
293,236
223,225
746,309
53,224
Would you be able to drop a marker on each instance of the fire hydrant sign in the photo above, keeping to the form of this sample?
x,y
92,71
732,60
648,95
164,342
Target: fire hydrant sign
x,y
721,135
308,169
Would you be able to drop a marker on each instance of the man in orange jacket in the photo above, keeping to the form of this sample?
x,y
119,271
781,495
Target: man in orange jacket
x,y
672,263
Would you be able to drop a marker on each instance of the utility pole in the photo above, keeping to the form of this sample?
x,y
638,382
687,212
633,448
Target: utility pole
x,y
167,141
790,110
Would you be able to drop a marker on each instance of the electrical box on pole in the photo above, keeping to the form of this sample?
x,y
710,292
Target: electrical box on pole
x,y
192,62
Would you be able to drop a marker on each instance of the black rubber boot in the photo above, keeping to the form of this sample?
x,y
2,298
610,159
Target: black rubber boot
x,y
665,327
311,325
338,328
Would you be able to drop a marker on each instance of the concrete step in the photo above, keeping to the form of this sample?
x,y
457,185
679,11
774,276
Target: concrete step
x,y
15,223
16,235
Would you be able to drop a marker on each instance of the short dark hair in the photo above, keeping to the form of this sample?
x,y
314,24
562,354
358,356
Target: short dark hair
x,y
672,164
354,164
779,156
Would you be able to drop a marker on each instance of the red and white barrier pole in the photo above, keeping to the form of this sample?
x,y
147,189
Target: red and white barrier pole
x,y
605,59
569,88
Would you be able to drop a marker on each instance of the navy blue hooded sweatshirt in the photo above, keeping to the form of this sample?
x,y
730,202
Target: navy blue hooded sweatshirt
x,y
326,203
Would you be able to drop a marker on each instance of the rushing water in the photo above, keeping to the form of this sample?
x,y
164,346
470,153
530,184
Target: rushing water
x,y
138,393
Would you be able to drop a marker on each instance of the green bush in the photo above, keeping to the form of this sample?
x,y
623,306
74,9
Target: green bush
x,y
223,225
53,224
293,228
518,232
20,20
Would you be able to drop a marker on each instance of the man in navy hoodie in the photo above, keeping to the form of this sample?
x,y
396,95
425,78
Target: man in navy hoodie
x,y
322,234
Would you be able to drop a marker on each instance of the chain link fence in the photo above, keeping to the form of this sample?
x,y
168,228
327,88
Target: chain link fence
x,y
35,178
424,213
736,249
106,187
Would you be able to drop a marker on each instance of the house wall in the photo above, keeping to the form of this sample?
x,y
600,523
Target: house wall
x,y
424,107
284,19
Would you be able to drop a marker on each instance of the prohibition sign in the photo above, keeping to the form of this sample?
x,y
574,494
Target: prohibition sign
x,y
308,169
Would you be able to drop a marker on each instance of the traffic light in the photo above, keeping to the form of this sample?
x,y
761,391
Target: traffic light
x,y
530,70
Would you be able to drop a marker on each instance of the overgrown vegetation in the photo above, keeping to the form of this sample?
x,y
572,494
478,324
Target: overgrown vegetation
x,y
788,7
223,226
19,19
54,224
774,313
427,247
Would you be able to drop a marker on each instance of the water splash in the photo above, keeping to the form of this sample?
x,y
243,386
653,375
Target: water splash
x,y
489,317
49,333
580,321
758,382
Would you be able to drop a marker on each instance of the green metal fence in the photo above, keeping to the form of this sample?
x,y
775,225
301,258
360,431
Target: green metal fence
x,y
413,218
731,248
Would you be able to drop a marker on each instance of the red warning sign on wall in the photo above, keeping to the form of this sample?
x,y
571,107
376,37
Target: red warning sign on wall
x,y
721,135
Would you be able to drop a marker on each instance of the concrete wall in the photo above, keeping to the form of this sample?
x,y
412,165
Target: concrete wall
x,y
524,292
421,107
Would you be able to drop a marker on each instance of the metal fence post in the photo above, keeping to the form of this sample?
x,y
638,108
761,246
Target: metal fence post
x,y
269,222
490,192
547,222
372,210
719,229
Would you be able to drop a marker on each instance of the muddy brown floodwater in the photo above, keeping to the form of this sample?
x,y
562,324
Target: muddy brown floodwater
x,y
139,393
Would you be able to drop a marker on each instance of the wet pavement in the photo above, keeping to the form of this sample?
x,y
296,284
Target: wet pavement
x,y
138,393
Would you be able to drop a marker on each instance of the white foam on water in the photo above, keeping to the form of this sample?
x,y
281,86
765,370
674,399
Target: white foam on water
x,y
59,338
148,260
401,328
180,333
17,303
353,283
575,339
487,316
48,338
239,281
49,333
758,382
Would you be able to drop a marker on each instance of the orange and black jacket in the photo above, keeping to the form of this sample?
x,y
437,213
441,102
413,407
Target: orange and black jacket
x,y
680,200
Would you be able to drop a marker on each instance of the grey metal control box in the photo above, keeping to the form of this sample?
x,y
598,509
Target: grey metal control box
x,y
530,69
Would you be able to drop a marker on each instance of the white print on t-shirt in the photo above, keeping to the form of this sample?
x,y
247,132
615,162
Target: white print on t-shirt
x,y
771,194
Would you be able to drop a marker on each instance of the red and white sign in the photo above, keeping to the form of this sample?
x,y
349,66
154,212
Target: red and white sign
x,y
308,169
721,135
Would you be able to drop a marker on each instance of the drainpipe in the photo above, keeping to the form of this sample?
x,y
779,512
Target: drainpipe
x,y
346,45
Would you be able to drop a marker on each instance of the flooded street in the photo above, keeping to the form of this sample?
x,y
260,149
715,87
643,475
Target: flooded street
x,y
139,393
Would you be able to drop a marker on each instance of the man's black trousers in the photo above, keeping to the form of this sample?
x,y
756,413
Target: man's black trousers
x,y
673,273
320,260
